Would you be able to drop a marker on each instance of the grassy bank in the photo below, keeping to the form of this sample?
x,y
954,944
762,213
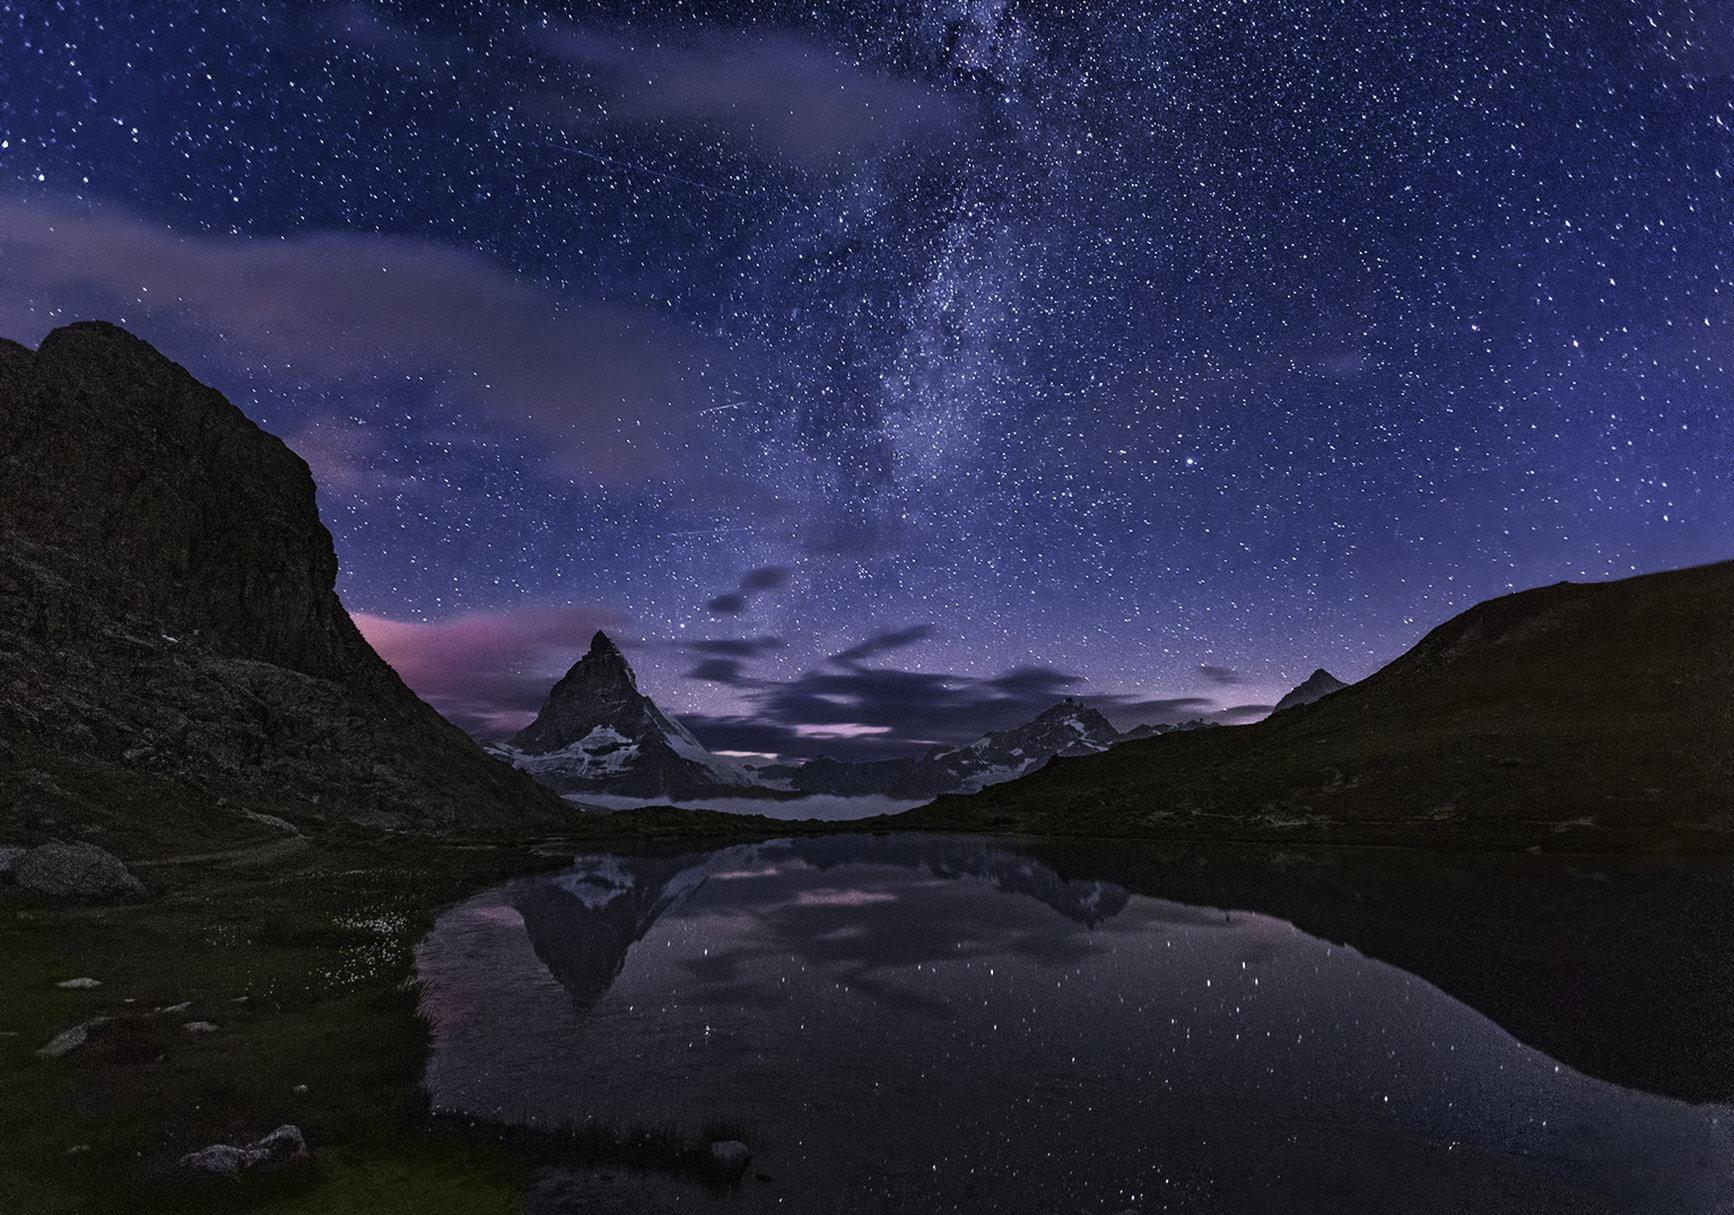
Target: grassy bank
x,y
300,962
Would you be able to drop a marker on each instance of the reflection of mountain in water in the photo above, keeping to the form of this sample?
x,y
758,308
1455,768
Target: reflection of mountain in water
x,y
581,923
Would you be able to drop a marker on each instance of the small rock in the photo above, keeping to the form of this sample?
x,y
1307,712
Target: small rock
x,y
76,871
176,1008
226,1160
199,1027
300,1090
218,1160
79,984
284,1143
70,1040
730,1157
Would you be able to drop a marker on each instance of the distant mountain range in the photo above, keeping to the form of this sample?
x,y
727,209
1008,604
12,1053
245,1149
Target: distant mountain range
x,y
1068,728
1594,717
597,733
581,922
174,661
167,607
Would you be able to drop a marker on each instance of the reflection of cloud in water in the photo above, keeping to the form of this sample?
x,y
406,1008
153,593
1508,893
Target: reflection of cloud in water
x,y
831,897
900,998
761,901
499,915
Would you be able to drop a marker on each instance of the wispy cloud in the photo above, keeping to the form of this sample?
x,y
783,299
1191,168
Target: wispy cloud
x,y
347,459
601,389
754,582
784,97
882,643
486,671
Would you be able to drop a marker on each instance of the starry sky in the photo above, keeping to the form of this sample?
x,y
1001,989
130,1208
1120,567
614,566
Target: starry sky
x,y
878,373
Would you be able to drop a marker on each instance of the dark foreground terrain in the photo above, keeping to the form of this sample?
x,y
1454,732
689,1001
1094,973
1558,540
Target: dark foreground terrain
x,y
296,952
300,961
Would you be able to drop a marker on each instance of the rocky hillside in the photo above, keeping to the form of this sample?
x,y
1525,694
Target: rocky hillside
x,y
597,733
1595,716
167,609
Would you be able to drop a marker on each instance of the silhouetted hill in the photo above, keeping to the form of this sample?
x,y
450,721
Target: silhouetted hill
x,y
1320,684
1570,716
167,607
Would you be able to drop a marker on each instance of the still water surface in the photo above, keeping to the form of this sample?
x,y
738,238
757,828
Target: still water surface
x,y
943,1024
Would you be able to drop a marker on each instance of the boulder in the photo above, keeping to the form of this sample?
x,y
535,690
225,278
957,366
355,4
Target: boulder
x,y
226,1160
9,859
218,1160
730,1157
284,1143
67,1041
76,871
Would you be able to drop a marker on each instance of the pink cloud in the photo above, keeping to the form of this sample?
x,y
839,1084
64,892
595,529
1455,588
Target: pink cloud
x,y
831,896
487,671
840,730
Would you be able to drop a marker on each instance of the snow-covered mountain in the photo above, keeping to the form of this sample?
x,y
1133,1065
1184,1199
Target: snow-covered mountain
x,y
1152,730
1068,728
597,733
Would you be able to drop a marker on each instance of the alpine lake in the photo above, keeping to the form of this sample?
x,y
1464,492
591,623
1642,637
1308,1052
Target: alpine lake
x,y
945,1023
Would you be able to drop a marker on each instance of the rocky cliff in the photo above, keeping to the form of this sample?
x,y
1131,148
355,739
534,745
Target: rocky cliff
x,y
167,603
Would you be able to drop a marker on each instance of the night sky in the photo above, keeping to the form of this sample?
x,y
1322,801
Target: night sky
x,y
879,372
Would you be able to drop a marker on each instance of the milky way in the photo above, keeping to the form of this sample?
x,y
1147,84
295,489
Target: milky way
x,y
852,359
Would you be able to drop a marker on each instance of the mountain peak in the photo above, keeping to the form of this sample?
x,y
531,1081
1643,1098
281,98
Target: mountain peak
x,y
1318,685
598,733
1072,709
600,689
